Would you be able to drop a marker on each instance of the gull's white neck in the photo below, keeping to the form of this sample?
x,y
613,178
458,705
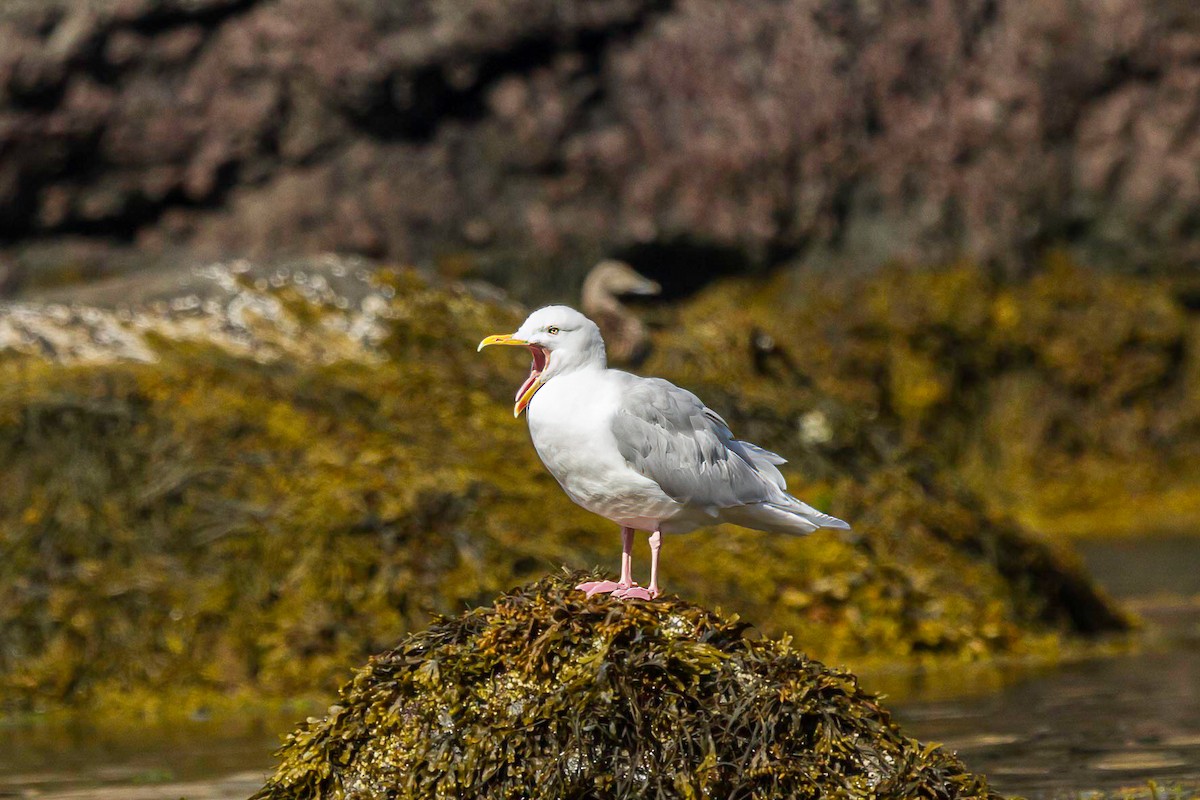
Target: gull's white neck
x,y
563,362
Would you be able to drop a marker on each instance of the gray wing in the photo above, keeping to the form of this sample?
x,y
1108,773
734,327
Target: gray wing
x,y
669,436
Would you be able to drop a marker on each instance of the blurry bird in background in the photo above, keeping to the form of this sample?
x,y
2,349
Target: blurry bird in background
x,y
625,335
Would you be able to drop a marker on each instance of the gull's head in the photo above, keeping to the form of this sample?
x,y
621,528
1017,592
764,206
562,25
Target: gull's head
x,y
560,340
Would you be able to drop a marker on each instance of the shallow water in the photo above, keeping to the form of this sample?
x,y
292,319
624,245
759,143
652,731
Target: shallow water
x,y
1104,723
199,761
1165,566
1101,724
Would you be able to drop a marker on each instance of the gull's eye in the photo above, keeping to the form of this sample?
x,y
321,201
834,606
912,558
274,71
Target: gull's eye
x,y
552,330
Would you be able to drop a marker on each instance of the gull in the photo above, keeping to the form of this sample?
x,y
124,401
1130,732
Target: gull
x,y
625,338
641,452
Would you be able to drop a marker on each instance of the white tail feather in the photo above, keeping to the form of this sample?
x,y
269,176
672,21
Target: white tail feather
x,y
795,518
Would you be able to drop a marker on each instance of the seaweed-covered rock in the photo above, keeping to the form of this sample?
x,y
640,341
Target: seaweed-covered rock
x,y
547,694
257,488
1070,401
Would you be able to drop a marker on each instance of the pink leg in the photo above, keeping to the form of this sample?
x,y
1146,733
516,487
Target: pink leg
x,y
651,592
626,582
655,546
626,558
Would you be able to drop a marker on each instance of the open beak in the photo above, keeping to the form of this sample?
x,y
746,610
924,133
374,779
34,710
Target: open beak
x,y
534,382
501,338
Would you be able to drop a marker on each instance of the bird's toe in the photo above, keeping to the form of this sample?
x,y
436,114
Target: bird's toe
x,y
633,593
599,587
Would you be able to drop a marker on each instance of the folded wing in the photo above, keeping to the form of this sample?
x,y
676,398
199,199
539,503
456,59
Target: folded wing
x,y
668,435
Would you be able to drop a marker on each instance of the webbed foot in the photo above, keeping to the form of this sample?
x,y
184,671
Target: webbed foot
x,y
601,587
636,593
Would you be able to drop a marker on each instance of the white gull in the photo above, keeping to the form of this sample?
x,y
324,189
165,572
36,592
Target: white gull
x,y
642,452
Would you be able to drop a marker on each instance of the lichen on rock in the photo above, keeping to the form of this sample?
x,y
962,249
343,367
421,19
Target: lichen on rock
x,y
548,694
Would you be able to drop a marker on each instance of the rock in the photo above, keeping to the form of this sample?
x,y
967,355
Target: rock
x,y
546,694
247,479
237,307
1068,401
845,134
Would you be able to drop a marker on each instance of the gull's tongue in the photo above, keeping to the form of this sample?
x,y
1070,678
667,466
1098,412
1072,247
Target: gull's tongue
x,y
533,374
535,369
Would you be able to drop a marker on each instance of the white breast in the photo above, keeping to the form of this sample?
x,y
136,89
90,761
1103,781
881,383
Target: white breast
x,y
570,422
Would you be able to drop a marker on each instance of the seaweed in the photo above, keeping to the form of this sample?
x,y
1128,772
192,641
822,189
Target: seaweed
x,y
255,502
1069,401
546,694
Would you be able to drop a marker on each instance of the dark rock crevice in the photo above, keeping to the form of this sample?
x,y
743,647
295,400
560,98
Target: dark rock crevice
x,y
413,105
162,17
684,266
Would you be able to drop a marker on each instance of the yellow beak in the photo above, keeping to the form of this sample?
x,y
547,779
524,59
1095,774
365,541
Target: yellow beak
x,y
526,396
501,338
530,387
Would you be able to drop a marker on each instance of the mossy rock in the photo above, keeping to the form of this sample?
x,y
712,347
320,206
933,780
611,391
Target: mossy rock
x,y
254,512
548,694
1069,401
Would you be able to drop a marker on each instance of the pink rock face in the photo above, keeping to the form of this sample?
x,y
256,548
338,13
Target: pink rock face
x,y
848,133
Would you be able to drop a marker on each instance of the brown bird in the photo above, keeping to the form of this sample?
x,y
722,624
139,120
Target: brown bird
x,y
624,334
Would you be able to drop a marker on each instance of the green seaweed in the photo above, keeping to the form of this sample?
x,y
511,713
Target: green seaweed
x,y
546,694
